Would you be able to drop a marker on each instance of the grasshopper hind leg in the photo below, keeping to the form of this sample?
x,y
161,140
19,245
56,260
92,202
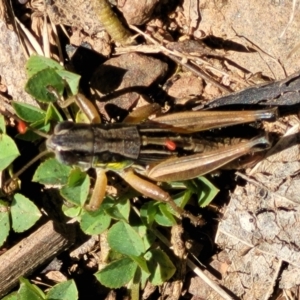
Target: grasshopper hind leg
x,y
153,191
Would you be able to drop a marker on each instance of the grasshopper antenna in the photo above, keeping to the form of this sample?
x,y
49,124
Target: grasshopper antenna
x,y
40,133
24,168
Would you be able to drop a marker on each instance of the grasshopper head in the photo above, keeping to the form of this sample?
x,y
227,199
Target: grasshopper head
x,y
72,145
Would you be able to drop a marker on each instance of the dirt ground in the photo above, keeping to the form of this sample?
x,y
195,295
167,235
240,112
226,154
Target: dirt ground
x,y
249,248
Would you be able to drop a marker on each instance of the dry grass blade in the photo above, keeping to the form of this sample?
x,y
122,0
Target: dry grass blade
x,y
291,19
29,41
183,60
44,34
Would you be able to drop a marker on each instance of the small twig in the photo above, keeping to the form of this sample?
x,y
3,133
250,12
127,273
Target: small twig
x,y
208,281
201,74
290,20
46,43
6,108
57,40
192,266
237,79
29,254
30,38
263,187
63,28
260,51
24,168
192,57
180,59
197,270
293,51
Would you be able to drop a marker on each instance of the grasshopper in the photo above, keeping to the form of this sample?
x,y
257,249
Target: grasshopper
x,y
167,148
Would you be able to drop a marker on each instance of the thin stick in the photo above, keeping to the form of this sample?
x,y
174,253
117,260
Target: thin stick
x,y
201,74
46,43
174,56
24,168
192,266
32,252
197,270
290,20
58,44
39,132
30,37
208,281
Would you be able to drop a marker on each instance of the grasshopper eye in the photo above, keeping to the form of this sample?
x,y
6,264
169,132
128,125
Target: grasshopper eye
x,y
69,158
63,127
